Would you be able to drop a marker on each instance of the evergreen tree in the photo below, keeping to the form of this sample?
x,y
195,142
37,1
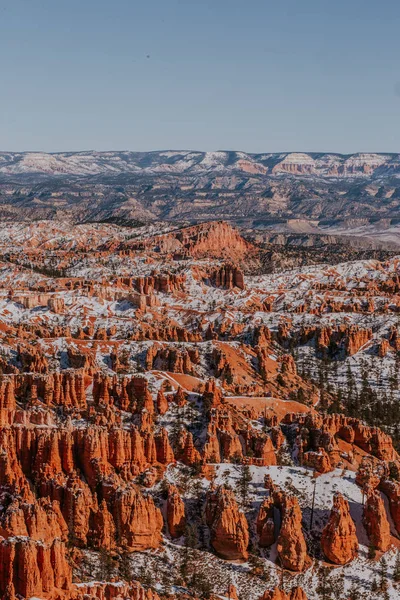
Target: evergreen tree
x,y
145,572
386,595
201,584
382,570
191,537
125,567
191,541
243,484
396,571
324,587
106,565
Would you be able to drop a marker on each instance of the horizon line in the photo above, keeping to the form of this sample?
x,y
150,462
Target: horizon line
x,y
181,150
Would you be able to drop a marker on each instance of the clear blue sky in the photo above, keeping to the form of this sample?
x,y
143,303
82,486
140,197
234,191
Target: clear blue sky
x,y
255,75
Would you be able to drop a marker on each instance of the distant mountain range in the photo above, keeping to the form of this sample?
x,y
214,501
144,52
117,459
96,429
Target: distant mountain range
x,y
188,162
357,194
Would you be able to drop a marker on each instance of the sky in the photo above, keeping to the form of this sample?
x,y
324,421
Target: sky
x,y
255,75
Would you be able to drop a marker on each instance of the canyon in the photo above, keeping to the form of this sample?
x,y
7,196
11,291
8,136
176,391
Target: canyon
x,y
176,421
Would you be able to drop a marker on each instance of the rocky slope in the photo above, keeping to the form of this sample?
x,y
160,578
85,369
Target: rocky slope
x,y
174,426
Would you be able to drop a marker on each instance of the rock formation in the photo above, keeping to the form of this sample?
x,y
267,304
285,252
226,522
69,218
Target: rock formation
x,y
228,526
228,277
279,594
375,521
139,522
291,546
339,540
148,373
175,513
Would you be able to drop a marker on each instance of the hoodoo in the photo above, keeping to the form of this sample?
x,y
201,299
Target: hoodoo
x,y
169,407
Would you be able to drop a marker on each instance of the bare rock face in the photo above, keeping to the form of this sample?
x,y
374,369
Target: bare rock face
x,y
33,569
265,523
292,548
296,163
228,277
297,593
169,359
211,451
392,490
279,594
318,460
230,444
42,520
61,388
162,403
165,454
175,513
139,520
39,452
374,441
357,337
157,282
102,532
56,304
7,400
339,540
321,432
262,451
375,521
180,398
383,348
214,239
110,591
368,476
228,526
186,451
288,364
212,394
345,338
77,503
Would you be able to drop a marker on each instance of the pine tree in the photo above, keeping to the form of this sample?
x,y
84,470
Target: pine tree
x,y
145,573
324,587
383,583
244,483
191,541
125,567
106,565
201,584
191,537
337,583
396,571
371,551
165,581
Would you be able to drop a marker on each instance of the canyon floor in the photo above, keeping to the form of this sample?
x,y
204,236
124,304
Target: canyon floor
x,y
190,413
